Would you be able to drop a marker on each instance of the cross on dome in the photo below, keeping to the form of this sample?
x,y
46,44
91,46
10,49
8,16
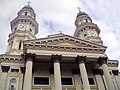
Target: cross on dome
x,y
79,9
28,3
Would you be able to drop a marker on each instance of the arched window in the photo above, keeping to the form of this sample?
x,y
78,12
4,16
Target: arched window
x,y
12,85
25,13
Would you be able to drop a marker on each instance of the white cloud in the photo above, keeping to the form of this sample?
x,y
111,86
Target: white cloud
x,y
62,14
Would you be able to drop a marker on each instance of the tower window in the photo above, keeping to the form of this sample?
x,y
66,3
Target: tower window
x,y
15,28
20,45
25,13
31,30
85,35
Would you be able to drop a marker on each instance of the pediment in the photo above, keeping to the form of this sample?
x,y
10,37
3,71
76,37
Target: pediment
x,y
64,42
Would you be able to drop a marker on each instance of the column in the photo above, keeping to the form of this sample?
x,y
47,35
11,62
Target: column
x,y
81,61
52,78
99,79
117,78
103,62
28,73
57,73
77,82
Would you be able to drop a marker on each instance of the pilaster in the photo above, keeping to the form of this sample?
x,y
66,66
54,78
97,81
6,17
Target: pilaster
x,y
3,77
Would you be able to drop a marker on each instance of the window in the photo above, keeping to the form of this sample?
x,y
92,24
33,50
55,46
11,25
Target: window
x,y
91,81
20,45
15,28
85,35
25,13
41,80
31,30
14,70
12,85
66,81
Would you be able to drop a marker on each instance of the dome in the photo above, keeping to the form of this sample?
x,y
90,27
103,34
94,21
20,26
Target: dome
x,y
27,8
81,13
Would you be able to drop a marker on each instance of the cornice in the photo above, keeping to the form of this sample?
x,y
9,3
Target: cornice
x,y
11,58
64,48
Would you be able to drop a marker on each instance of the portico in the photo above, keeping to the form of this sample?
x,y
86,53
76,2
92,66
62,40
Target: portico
x,y
58,64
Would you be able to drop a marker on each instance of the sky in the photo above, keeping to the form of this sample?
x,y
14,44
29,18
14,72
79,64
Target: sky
x,y
54,16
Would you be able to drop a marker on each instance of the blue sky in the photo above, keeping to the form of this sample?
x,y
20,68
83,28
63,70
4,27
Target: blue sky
x,y
56,15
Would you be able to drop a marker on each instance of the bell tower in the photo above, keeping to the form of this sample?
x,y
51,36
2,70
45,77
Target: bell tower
x,y
86,29
23,27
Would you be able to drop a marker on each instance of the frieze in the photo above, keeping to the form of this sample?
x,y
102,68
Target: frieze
x,y
65,48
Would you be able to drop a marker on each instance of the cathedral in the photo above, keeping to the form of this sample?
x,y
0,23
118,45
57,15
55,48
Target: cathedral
x,y
58,61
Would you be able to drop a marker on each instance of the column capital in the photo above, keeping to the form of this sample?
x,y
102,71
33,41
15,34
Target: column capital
x,y
80,59
115,72
98,71
102,60
5,68
56,58
29,56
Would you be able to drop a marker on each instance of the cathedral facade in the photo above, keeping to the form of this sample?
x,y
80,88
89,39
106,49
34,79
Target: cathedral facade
x,y
56,62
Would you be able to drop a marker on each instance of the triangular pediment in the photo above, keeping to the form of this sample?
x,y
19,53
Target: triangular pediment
x,y
66,44
64,41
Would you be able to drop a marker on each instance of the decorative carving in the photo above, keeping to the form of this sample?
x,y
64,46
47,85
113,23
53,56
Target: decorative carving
x,y
30,56
102,60
56,58
80,59
75,71
5,68
23,69
98,71
115,72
